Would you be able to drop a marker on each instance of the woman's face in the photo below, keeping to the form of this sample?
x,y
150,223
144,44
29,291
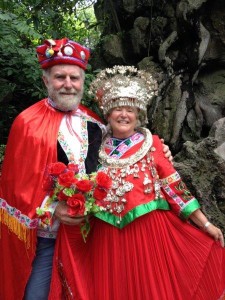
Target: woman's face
x,y
123,121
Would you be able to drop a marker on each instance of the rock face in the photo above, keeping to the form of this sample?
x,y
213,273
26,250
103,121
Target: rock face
x,y
202,167
183,44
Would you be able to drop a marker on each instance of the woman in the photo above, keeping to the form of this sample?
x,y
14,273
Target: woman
x,y
142,246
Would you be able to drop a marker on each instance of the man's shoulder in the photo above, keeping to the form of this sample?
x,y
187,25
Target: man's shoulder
x,y
90,113
30,114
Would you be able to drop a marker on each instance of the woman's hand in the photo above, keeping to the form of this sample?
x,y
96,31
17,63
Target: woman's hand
x,y
201,221
61,213
215,233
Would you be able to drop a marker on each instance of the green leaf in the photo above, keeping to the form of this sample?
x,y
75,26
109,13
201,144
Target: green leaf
x,y
40,211
85,229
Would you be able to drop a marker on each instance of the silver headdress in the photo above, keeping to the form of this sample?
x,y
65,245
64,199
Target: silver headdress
x,y
124,86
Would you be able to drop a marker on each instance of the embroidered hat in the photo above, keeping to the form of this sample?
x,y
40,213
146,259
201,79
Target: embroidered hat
x,y
124,86
64,51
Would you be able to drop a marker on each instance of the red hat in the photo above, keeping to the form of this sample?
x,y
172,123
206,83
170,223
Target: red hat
x,y
65,51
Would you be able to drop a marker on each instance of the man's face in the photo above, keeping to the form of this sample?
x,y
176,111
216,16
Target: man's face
x,y
65,85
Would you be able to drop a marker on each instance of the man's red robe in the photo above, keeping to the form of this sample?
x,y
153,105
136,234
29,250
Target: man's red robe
x,y
31,146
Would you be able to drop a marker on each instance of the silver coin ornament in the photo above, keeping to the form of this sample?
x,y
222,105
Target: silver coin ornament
x,y
68,50
82,55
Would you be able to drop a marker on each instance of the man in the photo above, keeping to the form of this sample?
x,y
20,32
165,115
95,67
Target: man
x,y
57,128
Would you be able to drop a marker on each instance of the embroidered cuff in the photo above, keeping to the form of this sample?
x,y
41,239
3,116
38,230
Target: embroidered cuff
x,y
45,214
189,208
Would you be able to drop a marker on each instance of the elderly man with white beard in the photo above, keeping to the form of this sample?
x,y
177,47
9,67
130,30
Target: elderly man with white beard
x,y
57,128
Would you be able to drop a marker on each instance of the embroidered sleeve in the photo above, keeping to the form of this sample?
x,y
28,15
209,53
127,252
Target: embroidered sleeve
x,y
181,201
179,197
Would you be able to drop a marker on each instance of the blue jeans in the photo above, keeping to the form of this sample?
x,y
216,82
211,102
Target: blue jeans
x,y
39,282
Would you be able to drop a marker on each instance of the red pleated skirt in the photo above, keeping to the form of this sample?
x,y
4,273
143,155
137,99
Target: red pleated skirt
x,y
157,256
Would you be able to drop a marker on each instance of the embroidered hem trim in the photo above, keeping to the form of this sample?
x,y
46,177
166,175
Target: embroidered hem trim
x,y
18,223
143,209
67,292
136,212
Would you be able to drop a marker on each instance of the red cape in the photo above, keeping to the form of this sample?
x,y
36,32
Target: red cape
x,y
31,146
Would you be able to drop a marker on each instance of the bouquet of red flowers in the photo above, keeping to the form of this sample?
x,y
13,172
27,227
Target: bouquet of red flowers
x,y
84,194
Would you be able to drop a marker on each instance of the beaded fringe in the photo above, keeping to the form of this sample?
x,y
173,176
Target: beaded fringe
x,y
20,230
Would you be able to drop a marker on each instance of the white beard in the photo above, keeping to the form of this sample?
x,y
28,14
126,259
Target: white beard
x,y
65,102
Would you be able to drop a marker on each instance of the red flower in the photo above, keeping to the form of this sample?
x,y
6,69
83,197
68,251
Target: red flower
x,y
87,192
99,194
62,197
48,183
103,180
84,185
67,179
73,167
56,168
46,218
76,205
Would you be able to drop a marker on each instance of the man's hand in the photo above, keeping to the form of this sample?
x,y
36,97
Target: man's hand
x,y
62,215
167,151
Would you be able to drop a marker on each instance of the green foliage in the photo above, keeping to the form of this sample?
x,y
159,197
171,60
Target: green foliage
x,y
20,75
17,57
2,152
57,19
87,99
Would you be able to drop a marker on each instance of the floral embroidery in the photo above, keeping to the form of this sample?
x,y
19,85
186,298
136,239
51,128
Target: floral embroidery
x,y
124,145
174,196
47,234
178,200
170,179
84,146
182,188
21,218
179,186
